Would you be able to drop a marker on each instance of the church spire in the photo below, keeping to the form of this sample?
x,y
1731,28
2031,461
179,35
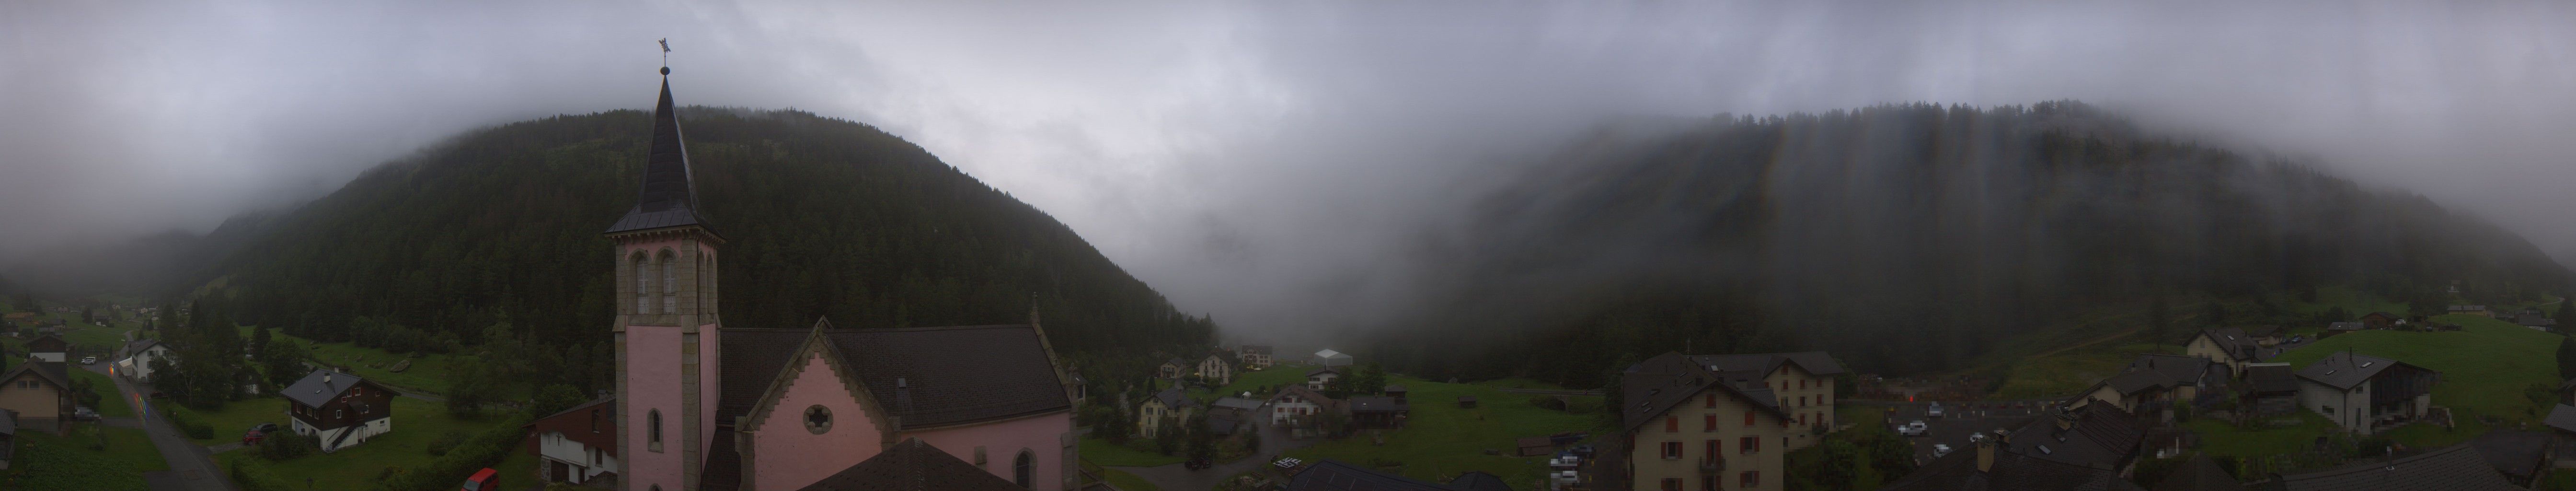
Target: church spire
x,y
669,197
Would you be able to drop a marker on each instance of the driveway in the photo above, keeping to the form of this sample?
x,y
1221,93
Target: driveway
x,y
192,468
1274,441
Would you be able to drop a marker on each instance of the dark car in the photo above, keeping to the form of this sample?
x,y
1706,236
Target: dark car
x,y
264,427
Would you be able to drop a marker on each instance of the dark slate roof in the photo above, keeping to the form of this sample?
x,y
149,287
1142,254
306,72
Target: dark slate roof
x,y
1237,403
669,197
1223,425
2453,468
2179,370
2344,369
2272,378
1172,398
1393,388
1334,475
312,391
1657,384
1375,404
2199,473
957,374
2012,471
2138,381
1478,481
723,470
2562,417
2514,453
1814,362
2232,340
1178,363
954,375
2100,436
913,466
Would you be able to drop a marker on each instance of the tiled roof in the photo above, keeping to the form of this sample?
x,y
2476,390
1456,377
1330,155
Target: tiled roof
x,y
669,198
2514,453
1177,362
952,374
612,409
2011,472
1323,370
1256,349
1334,475
1237,403
2099,436
1657,384
1375,404
723,470
1173,398
2344,369
1478,481
137,346
2199,473
2233,341
912,466
2453,468
313,391
2562,417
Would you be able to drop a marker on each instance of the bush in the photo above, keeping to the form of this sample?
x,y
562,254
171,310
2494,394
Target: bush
x,y
1548,402
250,476
289,446
445,442
194,428
482,450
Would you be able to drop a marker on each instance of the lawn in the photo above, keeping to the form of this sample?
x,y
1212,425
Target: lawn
x,y
66,463
416,423
2354,302
2218,438
2485,368
1441,440
2069,372
519,471
238,416
428,373
1103,452
110,401
1127,482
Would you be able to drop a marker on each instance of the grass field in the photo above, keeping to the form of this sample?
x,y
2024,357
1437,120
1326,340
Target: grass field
x,y
2066,373
1441,440
416,423
2354,302
428,374
238,416
2255,444
1127,482
2485,368
66,462
110,402
1103,452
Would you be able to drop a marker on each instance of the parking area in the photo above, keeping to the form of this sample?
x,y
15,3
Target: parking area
x,y
1959,420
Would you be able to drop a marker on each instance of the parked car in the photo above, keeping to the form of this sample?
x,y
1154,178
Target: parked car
x,y
1916,428
483,480
264,427
253,437
89,360
1940,449
1935,411
84,413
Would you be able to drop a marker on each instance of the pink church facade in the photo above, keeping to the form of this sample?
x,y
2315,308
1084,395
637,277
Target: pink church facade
x,y
705,407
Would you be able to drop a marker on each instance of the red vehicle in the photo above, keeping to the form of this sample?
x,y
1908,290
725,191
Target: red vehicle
x,y
253,438
483,480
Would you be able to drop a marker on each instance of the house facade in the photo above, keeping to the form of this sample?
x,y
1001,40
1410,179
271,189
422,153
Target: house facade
x,y
1803,381
1164,411
1173,369
1256,356
576,445
2229,346
1300,406
342,409
2364,394
1689,427
41,395
1321,378
136,362
48,347
1216,369
702,406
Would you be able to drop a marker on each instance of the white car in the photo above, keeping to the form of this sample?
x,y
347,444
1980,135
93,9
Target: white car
x,y
1935,411
1916,428
85,360
1940,449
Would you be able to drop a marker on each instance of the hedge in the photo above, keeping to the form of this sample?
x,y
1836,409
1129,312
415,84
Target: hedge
x,y
484,450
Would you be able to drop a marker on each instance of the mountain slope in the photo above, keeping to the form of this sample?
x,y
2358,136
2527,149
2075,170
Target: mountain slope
x,y
1908,239
822,217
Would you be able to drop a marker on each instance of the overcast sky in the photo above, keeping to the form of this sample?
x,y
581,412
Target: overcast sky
x,y
1245,159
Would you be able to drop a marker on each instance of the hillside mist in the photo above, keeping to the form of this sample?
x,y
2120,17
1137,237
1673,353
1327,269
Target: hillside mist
x,y
1905,238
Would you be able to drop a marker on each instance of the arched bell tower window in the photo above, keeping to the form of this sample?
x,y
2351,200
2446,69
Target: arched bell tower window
x,y
670,284
818,419
643,284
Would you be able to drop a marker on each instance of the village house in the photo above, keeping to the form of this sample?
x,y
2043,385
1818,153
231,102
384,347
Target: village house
x,y
1690,427
40,394
2532,318
2562,428
2336,328
1378,412
342,409
1322,378
2153,384
2476,310
2229,346
2365,394
1331,359
1216,369
705,407
1256,356
2269,389
1300,406
2092,447
138,356
576,445
1230,417
1165,410
1173,369
1803,381
47,347
2380,320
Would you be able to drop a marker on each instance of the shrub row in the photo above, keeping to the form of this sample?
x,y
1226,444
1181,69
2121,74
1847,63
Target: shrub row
x,y
483,450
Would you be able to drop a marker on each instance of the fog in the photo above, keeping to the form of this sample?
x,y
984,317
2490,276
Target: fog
x,y
1275,165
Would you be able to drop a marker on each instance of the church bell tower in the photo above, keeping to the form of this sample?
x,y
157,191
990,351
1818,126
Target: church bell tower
x,y
667,332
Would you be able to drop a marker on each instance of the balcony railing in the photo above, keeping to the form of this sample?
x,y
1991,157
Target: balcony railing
x,y
1712,466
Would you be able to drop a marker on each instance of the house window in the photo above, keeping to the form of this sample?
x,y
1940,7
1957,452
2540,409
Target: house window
x,y
1750,444
1672,484
1710,420
1751,479
1024,468
1672,450
1748,417
594,421
1672,423
1802,419
1802,401
1711,401
1714,451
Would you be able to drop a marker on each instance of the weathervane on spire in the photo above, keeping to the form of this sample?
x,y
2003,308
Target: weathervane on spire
x,y
666,55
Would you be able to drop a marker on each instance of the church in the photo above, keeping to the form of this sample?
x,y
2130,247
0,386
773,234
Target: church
x,y
702,406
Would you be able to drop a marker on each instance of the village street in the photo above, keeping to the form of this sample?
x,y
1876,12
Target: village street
x,y
1274,441
192,467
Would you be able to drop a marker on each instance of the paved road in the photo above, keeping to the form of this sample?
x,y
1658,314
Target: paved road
x,y
1175,477
192,468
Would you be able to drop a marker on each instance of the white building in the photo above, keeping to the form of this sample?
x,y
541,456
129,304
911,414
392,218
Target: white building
x,y
576,445
138,357
1330,358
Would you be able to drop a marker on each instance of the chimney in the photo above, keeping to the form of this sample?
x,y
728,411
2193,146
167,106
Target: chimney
x,y
1985,456
326,378
902,396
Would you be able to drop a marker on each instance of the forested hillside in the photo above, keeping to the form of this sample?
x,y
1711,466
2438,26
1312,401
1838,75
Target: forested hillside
x,y
822,217
1908,239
